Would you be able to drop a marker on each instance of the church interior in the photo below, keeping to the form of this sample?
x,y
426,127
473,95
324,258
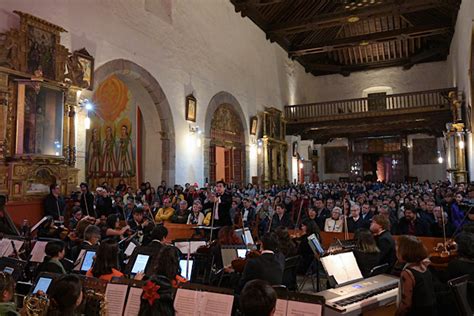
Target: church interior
x,y
236,157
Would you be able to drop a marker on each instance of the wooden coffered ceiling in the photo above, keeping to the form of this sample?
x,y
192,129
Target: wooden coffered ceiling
x,y
343,36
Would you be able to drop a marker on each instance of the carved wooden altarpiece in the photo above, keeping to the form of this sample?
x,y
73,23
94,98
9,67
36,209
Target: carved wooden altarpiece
x,y
38,104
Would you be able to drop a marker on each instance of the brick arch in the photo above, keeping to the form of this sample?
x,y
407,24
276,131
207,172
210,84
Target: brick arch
x,y
134,71
217,100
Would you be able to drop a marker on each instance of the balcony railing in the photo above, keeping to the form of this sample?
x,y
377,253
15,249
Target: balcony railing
x,y
393,102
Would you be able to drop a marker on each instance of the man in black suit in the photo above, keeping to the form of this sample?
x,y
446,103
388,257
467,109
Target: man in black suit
x,y
322,213
281,218
224,200
412,225
355,221
157,236
91,241
54,204
379,227
87,200
265,267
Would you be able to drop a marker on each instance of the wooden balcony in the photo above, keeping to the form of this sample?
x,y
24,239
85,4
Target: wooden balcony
x,y
415,112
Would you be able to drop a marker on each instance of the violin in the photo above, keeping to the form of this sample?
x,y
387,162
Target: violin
x,y
443,253
206,249
239,264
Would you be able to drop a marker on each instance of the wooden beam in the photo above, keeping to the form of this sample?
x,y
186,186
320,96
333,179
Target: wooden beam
x,y
341,17
407,33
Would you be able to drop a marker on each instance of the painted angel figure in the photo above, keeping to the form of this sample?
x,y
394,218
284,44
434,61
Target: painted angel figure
x,y
109,164
93,154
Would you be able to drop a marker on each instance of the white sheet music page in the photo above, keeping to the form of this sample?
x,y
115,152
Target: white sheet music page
x,y
115,295
303,309
132,308
343,267
215,304
4,246
78,262
37,254
281,307
131,246
186,303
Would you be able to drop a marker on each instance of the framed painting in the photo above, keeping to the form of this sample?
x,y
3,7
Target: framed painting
x,y
190,108
425,151
86,62
336,160
253,125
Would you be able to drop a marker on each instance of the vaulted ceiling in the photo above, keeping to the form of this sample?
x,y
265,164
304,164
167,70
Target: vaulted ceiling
x,y
343,36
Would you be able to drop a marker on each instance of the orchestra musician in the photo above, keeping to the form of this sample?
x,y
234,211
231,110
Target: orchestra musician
x,y
87,200
138,221
379,227
54,204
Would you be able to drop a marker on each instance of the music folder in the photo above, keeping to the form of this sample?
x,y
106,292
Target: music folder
x,y
190,302
299,304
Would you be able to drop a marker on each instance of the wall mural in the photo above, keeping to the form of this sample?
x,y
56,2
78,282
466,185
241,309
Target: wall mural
x,y
111,148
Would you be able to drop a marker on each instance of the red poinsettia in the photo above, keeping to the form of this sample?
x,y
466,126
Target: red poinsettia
x,y
150,292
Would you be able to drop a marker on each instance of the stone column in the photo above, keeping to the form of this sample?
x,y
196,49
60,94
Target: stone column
x,y
72,136
65,143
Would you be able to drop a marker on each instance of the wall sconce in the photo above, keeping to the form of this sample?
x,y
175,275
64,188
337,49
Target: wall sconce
x,y
301,165
86,105
196,133
461,144
259,146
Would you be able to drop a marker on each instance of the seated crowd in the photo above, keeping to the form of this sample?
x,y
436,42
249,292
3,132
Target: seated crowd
x,y
105,221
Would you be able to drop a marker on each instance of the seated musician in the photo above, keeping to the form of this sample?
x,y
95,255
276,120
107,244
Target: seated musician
x,y
379,227
196,217
105,265
335,222
65,296
416,282
181,214
128,209
265,267
112,228
258,298
91,241
55,251
157,236
366,253
411,224
47,229
7,292
165,213
248,213
441,225
138,220
225,237
76,217
309,227
167,266
281,218
286,245
464,263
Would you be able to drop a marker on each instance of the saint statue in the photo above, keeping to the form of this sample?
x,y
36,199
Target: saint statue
x,y
125,162
109,165
93,154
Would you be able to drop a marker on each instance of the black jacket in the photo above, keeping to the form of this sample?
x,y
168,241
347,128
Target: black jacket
x,y
87,204
104,206
54,206
321,217
266,267
366,261
421,227
285,221
76,250
386,245
224,211
352,225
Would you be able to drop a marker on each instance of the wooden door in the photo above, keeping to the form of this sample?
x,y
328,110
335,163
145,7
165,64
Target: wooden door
x,y
212,164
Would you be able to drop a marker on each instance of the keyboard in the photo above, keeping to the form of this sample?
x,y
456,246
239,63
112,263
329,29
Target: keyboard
x,y
358,297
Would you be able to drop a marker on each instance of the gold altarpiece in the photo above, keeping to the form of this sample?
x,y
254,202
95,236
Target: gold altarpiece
x,y
273,167
38,104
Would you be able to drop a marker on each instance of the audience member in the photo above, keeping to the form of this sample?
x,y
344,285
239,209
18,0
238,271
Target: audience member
x,y
165,213
281,218
196,217
181,214
335,222
355,221
411,224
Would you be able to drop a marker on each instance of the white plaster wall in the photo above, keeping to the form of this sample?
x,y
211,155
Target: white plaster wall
x,y
459,64
323,176
202,46
420,77
292,161
431,172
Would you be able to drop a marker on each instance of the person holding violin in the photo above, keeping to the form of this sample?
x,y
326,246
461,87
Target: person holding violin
x,y
308,227
138,221
265,267
112,229
281,218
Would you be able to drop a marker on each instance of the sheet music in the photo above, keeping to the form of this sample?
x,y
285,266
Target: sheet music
x,y
4,244
281,307
133,302
228,255
37,254
296,308
10,251
215,304
115,295
78,262
185,303
343,267
131,246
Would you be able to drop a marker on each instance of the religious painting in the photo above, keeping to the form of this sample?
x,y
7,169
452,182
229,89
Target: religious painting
x,y
191,108
86,63
253,125
425,151
111,147
41,48
336,160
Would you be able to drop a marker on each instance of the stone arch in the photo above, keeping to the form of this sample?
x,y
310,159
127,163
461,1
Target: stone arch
x,y
137,73
217,100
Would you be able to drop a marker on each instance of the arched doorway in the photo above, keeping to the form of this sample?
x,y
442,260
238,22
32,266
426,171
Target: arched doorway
x,y
149,117
226,152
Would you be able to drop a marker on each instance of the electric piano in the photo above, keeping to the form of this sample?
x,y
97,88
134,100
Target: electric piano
x,y
362,296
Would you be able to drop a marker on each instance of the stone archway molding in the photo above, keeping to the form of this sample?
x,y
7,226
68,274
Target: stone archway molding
x,y
218,99
134,71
